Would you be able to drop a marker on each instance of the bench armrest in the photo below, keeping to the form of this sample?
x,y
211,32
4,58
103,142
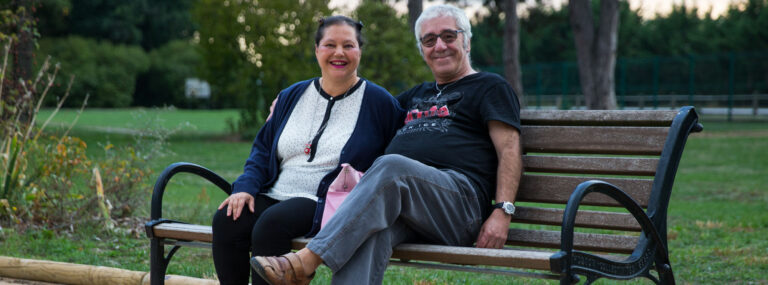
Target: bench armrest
x,y
179,167
563,260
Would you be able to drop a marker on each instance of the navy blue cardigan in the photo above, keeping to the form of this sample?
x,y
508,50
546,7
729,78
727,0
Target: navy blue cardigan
x,y
380,117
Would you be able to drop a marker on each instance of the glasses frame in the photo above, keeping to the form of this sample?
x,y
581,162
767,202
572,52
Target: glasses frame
x,y
442,34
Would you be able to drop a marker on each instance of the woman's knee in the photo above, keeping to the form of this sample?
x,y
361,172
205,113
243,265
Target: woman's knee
x,y
223,223
288,218
220,219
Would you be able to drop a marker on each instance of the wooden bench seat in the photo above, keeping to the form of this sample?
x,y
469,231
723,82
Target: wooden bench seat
x,y
592,201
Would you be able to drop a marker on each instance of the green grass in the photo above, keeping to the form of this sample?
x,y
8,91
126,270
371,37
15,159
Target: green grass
x,y
718,217
205,122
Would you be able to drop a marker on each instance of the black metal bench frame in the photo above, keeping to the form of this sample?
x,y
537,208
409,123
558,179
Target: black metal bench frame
x,y
649,254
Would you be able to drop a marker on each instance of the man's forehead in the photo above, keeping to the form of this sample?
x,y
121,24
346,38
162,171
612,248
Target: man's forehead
x,y
438,24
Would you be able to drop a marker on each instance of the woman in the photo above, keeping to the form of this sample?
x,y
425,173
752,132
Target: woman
x,y
317,125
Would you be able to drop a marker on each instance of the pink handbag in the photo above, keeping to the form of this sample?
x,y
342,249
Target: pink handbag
x,y
339,189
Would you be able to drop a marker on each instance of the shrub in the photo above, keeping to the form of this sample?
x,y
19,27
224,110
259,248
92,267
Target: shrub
x,y
108,72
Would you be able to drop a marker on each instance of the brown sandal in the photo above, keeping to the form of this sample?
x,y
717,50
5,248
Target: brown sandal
x,y
281,270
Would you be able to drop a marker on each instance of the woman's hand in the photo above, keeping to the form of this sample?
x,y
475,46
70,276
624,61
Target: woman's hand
x,y
236,203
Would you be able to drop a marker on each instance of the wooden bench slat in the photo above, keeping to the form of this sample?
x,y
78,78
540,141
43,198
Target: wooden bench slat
x,y
590,165
180,231
557,189
585,219
581,241
596,140
603,118
474,256
463,255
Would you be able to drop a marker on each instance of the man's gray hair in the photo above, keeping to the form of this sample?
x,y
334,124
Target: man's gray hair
x,y
462,22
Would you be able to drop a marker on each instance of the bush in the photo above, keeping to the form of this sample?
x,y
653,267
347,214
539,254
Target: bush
x,y
108,72
60,187
163,84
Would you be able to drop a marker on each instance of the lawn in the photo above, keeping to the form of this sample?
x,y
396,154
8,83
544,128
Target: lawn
x,y
202,122
718,216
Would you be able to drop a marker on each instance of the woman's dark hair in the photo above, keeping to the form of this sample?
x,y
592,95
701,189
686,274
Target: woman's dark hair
x,y
337,20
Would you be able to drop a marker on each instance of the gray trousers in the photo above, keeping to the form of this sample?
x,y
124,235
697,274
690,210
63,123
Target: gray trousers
x,y
397,200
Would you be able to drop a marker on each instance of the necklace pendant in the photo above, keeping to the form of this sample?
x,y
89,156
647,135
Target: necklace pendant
x,y
307,148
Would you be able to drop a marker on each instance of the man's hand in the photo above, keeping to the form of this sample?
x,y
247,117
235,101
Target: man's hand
x,y
271,109
494,232
236,203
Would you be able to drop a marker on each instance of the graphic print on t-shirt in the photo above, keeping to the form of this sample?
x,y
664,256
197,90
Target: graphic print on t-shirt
x,y
432,114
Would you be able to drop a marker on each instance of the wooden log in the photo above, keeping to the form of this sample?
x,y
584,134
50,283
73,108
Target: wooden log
x,y
69,273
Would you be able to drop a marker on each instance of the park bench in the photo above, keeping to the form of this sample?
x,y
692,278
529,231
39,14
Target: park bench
x,y
592,202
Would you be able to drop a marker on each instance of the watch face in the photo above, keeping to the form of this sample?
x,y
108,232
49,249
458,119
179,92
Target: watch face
x,y
509,208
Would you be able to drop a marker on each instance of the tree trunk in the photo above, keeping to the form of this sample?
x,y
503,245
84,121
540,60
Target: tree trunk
x,y
414,11
596,51
511,55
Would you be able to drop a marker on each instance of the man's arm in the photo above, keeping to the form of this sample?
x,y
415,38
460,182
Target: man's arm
x,y
506,140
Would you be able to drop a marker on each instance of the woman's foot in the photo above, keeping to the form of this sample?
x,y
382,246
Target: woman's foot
x,y
282,270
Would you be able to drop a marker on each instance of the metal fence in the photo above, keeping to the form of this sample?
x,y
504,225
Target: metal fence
x,y
724,80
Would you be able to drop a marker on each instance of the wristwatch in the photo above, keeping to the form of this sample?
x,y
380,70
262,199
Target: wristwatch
x,y
508,207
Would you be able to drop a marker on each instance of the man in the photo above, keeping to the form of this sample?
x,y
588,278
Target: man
x,y
458,150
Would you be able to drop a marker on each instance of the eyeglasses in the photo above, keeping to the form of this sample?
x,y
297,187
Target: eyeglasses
x,y
448,36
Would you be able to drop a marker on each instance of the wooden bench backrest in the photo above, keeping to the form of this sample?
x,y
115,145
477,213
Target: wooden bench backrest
x,y
564,148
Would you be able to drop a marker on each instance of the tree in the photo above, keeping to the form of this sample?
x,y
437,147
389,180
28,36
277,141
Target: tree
x,y
596,51
253,49
165,21
414,11
115,20
53,17
148,23
389,56
511,55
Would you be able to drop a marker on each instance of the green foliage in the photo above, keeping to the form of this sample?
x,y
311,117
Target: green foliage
x,y
106,71
545,35
166,21
163,84
252,50
115,20
744,27
224,65
147,23
390,57
53,17
13,19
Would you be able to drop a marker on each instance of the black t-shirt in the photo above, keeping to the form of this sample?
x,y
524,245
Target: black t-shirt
x,y
451,130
